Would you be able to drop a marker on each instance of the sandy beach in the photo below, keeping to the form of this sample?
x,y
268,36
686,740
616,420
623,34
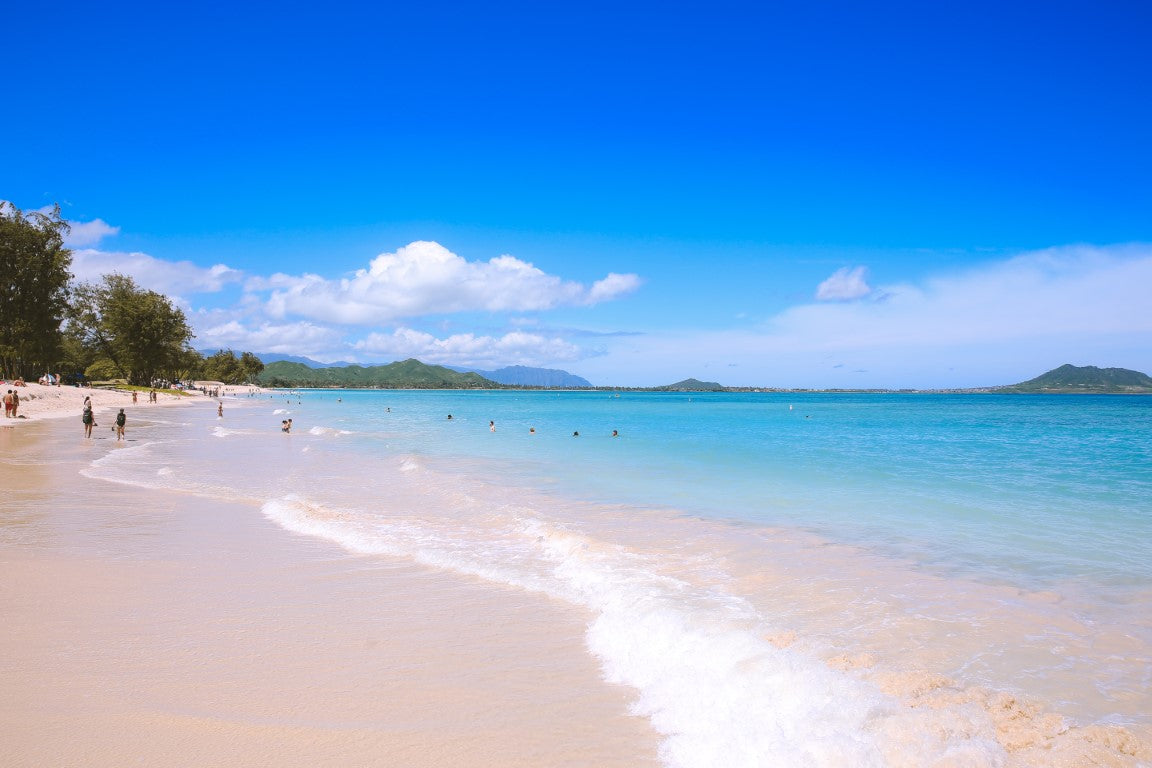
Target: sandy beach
x,y
40,401
153,628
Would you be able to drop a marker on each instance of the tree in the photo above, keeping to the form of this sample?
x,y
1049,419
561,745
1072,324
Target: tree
x,y
34,281
102,369
74,358
191,365
143,335
251,365
225,367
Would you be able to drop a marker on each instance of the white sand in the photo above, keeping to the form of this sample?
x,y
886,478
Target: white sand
x,y
38,401
164,629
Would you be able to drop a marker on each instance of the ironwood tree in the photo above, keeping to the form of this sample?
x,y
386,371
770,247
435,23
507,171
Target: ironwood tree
x,y
34,290
225,367
140,332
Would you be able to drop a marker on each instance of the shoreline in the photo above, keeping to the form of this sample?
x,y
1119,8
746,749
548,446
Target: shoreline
x,y
171,629
40,402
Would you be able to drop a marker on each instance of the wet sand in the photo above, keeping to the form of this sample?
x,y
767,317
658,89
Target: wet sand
x,y
152,628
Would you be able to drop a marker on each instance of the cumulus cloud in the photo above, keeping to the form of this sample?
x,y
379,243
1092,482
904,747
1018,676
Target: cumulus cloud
x,y
845,284
288,338
168,277
515,348
426,278
612,286
85,233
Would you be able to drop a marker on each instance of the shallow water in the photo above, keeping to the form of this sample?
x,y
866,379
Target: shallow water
x,y
807,579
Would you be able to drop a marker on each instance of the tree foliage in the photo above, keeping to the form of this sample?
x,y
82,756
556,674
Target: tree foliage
x,y
225,367
34,277
140,332
102,369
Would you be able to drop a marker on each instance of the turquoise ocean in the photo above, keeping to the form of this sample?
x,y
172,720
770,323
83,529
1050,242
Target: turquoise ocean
x,y
780,578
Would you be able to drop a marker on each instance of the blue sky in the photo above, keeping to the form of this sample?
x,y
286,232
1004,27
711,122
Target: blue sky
x,y
776,194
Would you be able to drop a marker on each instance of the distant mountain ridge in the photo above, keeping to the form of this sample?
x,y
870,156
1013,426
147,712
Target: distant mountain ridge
x,y
524,376
272,357
1086,379
409,374
512,375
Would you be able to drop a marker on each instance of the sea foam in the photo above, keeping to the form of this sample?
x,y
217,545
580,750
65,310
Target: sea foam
x,y
705,673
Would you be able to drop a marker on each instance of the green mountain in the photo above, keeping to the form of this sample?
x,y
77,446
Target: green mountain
x,y
409,374
1087,379
693,385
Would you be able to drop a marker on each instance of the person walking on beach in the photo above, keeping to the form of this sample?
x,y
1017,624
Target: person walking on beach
x,y
15,403
87,418
220,411
120,420
133,398
8,404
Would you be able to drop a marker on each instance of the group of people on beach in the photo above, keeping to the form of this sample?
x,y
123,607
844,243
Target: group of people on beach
x,y
89,420
152,397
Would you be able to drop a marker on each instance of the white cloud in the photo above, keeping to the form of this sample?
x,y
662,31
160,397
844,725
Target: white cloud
x,y
82,233
425,278
612,286
515,348
845,284
1058,292
291,338
168,277
85,233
